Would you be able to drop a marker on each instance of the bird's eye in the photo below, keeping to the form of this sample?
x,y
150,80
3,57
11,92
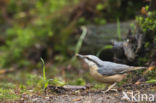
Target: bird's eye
x,y
88,58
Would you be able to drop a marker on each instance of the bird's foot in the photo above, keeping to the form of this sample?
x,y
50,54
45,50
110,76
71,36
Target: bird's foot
x,y
110,90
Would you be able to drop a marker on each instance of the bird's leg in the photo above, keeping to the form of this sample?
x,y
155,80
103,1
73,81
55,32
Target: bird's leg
x,y
110,87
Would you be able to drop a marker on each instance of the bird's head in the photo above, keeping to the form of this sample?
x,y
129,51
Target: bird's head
x,y
90,59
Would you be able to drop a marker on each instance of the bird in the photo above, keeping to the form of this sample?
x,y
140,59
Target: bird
x,y
107,72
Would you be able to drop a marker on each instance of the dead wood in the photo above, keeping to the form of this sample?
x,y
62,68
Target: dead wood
x,y
66,88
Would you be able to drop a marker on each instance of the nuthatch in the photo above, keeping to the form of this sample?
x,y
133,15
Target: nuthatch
x,y
107,72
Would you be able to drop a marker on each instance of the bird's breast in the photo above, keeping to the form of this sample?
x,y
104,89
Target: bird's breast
x,y
104,78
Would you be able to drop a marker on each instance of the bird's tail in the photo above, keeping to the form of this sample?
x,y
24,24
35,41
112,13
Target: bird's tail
x,y
137,68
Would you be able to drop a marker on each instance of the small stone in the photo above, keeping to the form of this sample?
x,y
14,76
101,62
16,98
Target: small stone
x,y
47,98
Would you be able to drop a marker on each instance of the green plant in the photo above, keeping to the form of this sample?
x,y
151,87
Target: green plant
x,y
32,23
118,29
100,21
45,81
79,43
148,24
105,47
44,73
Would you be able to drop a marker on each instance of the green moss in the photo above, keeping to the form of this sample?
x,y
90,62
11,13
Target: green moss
x,y
151,81
7,85
99,86
79,81
57,82
7,91
8,94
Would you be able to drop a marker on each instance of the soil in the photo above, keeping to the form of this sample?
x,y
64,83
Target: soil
x,y
96,96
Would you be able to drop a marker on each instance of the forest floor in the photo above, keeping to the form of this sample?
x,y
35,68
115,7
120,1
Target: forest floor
x,y
143,93
28,87
91,97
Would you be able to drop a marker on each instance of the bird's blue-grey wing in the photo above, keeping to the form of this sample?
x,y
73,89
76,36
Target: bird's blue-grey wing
x,y
109,68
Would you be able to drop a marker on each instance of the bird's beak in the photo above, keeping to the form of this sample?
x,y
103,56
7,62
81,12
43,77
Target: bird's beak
x,y
82,57
79,56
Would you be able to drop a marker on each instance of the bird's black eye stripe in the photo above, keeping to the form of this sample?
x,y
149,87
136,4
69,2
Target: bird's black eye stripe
x,y
93,61
89,59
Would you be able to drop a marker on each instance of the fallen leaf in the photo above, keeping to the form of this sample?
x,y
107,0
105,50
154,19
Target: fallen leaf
x,y
78,99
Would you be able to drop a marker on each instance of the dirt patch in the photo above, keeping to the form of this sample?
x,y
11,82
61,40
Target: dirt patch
x,y
90,97
141,93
